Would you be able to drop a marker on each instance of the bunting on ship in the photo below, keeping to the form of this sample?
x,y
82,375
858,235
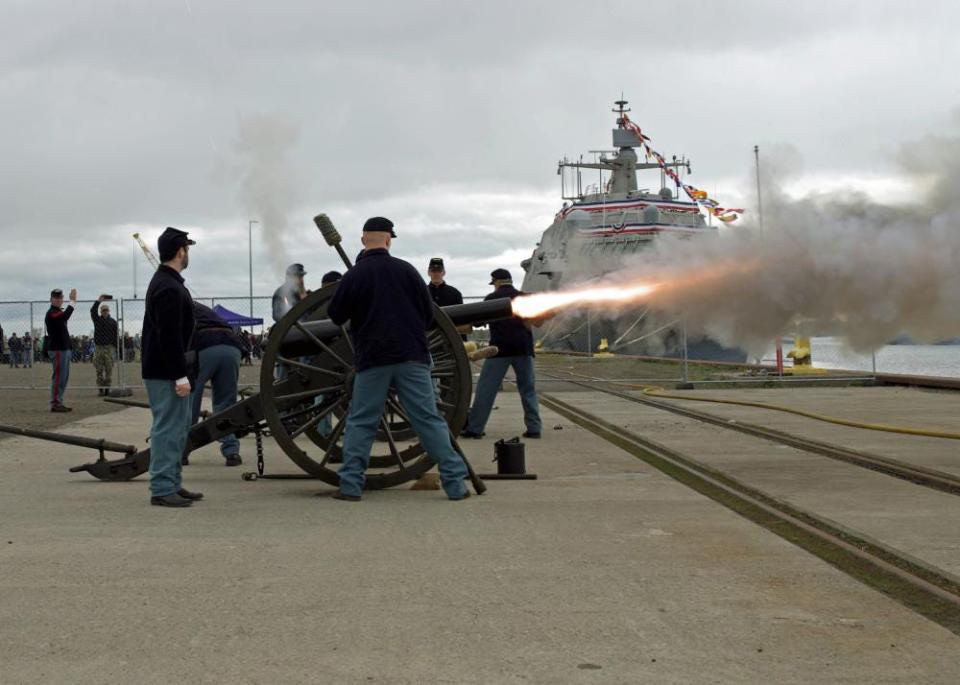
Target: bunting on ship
x,y
724,214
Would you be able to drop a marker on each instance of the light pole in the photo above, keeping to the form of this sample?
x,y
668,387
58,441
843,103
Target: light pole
x,y
250,247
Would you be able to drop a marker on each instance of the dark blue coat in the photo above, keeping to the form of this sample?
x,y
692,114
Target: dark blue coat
x,y
211,330
389,310
511,336
444,295
56,323
167,326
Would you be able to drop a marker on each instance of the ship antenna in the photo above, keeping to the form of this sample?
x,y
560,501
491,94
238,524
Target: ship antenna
x,y
621,110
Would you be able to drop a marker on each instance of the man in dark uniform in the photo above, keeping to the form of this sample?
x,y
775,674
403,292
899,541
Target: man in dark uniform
x,y
389,310
219,352
168,324
441,292
105,340
26,355
330,277
285,298
59,346
15,347
325,425
514,342
290,293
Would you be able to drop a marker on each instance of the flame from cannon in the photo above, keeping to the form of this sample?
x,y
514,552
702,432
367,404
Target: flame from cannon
x,y
677,289
540,304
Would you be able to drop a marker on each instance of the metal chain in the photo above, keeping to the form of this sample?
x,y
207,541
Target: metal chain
x,y
259,438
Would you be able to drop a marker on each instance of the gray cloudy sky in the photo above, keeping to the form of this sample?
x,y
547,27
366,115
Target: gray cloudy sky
x,y
448,117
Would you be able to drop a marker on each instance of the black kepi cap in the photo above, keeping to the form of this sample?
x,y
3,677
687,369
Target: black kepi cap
x,y
330,277
171,240
436,264
379,223
56,292
296,270
499,275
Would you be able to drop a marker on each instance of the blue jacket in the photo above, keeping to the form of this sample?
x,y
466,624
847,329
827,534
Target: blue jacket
x,y
389,310
212,330
511,336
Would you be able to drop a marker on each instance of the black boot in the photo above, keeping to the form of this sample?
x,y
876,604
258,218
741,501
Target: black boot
x,y
173,500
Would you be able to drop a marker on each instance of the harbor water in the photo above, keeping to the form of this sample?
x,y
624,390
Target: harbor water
x,y
919,360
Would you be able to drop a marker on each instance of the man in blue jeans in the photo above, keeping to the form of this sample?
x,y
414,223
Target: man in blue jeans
x,y
59,346
514,342
219,352
167,331
389,309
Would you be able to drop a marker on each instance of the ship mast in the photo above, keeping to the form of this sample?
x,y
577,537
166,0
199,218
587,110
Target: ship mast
x,y
621,109
623,163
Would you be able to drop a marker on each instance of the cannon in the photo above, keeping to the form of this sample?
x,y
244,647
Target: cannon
x,y
318,356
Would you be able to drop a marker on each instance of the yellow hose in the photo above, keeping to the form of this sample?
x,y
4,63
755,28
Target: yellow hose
x,y
656,391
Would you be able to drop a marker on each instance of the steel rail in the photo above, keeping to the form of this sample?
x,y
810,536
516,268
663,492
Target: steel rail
x,y
924,588
918,475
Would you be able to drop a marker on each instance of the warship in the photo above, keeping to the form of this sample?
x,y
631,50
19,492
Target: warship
x,y
610,225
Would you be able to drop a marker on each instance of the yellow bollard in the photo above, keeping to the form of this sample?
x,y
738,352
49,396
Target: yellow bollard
x,y
802,355
603,349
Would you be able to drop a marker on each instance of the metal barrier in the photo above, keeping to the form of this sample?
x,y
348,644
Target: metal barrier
x,y
20,369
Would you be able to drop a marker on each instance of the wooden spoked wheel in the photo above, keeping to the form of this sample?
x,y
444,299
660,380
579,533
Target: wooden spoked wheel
x,y
306,408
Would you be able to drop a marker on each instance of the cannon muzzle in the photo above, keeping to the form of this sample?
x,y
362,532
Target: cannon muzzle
x,y
479,313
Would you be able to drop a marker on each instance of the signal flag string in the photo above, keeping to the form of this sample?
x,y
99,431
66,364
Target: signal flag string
x,y
701,197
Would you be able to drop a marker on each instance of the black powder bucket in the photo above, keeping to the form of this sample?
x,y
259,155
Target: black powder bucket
x,y
510,458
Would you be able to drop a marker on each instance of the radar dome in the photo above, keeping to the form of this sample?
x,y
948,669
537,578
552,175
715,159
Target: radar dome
x,y
666,193
651,215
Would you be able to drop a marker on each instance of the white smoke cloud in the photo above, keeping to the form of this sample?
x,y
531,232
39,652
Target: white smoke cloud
x,y
269,184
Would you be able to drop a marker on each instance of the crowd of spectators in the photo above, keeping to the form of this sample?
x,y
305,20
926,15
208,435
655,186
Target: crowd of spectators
x,y
23,350
19,351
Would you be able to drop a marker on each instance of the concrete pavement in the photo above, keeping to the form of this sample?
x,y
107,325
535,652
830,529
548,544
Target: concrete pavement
x,y
602,571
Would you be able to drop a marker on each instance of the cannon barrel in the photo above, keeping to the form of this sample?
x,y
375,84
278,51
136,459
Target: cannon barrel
x,y
475,313
298,341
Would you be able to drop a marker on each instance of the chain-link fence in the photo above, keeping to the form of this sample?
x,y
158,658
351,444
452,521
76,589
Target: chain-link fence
x,y
22,364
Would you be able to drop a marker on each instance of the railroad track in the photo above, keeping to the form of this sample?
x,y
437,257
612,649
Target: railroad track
x,y
924,588
919,475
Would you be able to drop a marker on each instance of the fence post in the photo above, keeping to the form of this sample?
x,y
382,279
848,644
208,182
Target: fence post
x,y
120,350
683,339
33,335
